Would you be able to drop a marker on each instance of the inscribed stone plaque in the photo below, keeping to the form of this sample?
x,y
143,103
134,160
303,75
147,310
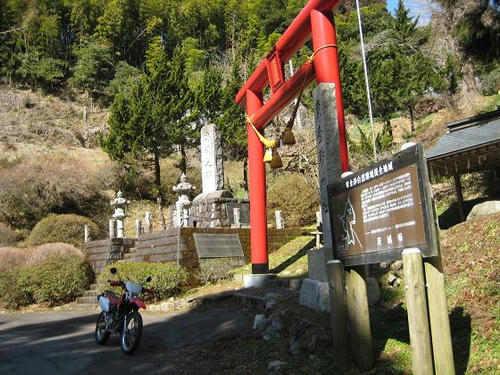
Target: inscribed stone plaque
x,y
217,245
244,213
212,169
383,209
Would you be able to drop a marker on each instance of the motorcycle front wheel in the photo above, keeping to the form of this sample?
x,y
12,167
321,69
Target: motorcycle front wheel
x,y
101,334
131,332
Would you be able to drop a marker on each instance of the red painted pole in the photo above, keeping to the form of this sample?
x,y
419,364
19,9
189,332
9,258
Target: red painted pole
x,y
326,66
257,182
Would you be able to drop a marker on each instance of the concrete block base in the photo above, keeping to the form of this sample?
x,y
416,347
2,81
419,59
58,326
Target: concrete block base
x,y
315,295
257,280
316,262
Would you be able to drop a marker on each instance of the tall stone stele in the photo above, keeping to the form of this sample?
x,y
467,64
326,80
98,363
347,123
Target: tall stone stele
x,y
119,204
212,166
214,206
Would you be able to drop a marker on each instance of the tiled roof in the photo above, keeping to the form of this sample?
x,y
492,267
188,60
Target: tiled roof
x,y
467,134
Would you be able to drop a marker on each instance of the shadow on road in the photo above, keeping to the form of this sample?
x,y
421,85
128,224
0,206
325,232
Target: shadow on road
x,y
51,343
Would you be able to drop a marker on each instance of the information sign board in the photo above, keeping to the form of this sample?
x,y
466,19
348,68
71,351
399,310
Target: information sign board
x,y
378,212
210,245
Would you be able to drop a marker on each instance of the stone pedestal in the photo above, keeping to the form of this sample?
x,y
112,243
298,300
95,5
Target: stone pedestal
x,y
315,295
257,279
316,264
214,209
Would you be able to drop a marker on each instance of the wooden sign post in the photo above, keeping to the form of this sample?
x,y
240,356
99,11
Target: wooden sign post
x,y
385,213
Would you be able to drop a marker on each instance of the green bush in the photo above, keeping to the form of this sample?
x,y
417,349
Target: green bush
x,y
15,292
59,279
61,228
167,278
7,235
296,199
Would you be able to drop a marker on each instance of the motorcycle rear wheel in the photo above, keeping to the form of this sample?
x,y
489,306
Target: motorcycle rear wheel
x,y
131,332
101,334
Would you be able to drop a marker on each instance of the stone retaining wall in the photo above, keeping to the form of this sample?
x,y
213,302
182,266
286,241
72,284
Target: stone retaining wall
x,y
173,245
103,252
177,245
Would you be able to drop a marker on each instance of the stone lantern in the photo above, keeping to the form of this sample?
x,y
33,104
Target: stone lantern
x,y
119,204
181,215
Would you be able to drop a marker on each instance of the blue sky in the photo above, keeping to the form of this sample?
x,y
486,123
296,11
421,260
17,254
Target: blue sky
x,y
422,8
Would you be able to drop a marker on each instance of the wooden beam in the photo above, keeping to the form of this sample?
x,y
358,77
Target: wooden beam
x,y
460,198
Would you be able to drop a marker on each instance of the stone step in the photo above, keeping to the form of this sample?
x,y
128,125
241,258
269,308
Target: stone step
x,y
258,302
90,293
85,306
127,256
87,299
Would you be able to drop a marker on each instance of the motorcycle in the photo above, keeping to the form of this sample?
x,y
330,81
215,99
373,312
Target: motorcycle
x,y
120,314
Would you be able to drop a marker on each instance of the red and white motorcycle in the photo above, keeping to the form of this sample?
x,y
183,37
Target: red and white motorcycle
x,y
120,314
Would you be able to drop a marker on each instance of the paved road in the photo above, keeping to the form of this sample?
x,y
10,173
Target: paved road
x,y
63,342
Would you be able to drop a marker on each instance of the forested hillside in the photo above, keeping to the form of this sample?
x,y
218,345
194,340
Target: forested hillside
x,y
163,68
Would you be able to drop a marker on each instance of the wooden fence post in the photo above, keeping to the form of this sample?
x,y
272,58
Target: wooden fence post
x,y
438,315
338,314
418,317
358,314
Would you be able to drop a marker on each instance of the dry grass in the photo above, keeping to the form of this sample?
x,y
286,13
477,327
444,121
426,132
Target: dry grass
x,y
36,186
7,235
48,120
15,257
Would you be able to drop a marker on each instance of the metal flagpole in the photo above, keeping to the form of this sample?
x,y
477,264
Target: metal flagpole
x,y
366,81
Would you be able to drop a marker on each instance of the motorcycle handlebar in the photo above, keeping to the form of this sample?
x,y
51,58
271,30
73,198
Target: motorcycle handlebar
x,y
115,283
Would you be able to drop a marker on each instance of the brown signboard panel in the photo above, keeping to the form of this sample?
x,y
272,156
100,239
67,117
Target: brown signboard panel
x,y
381,210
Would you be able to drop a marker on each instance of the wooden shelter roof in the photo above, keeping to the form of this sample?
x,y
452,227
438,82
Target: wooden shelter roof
x,y
470,145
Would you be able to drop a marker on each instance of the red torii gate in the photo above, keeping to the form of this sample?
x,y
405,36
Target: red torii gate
x,y
315,20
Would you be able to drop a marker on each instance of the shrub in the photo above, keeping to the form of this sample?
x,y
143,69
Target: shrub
x,y
31,190
167,278
490,82
14,291
296,199
58,279
7,235
61,228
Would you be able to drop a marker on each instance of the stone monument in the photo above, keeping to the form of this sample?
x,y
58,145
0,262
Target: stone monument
x,y
214,207
119,204
181,214
212,167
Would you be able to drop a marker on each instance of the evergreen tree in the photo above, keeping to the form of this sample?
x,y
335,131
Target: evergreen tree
x,y
153,119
